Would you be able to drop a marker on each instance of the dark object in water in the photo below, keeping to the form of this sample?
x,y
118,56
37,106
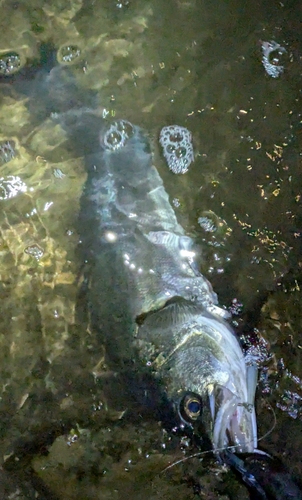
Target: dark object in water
x,y
266,476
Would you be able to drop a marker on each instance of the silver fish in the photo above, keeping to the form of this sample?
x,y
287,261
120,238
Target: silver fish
x,y
152,307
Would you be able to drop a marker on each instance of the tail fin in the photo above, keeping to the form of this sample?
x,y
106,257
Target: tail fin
x,y
50,87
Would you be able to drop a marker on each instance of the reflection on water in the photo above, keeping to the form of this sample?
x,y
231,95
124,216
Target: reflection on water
x,y
155,64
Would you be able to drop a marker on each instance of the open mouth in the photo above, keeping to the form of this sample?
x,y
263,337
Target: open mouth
x,y
234,422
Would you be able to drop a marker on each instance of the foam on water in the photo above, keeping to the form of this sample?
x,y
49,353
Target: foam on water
x,y
177,148
270,60
118,134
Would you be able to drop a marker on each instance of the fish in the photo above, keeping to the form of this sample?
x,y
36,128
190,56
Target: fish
x,y
148,304
147,301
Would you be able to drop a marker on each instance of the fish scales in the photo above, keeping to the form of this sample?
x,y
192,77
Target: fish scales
x,y
126,215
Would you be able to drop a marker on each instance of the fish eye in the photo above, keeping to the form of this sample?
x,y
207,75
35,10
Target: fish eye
x,y
190,407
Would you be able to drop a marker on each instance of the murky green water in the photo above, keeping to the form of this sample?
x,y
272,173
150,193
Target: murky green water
x,y
192,63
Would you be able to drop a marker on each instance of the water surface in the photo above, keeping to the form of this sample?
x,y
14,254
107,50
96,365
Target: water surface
x,y
192,63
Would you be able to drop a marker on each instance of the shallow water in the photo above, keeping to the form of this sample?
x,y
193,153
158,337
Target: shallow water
x,y
190,63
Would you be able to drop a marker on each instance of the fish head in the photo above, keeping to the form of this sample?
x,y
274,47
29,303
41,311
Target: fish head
x,y
205,377
208,385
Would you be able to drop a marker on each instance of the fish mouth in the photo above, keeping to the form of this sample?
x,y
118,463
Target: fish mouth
x,y
234,422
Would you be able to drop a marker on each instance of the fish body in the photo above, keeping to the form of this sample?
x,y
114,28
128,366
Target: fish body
x,y
147,301
146,297
151,307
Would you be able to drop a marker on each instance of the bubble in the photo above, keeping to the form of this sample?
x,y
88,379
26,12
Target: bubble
x,y
11,186
57,172
35,250
114,139
10,63
170,149
117,135
7,151
256,354
177,148
207,224
67,54
120,4
272,52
